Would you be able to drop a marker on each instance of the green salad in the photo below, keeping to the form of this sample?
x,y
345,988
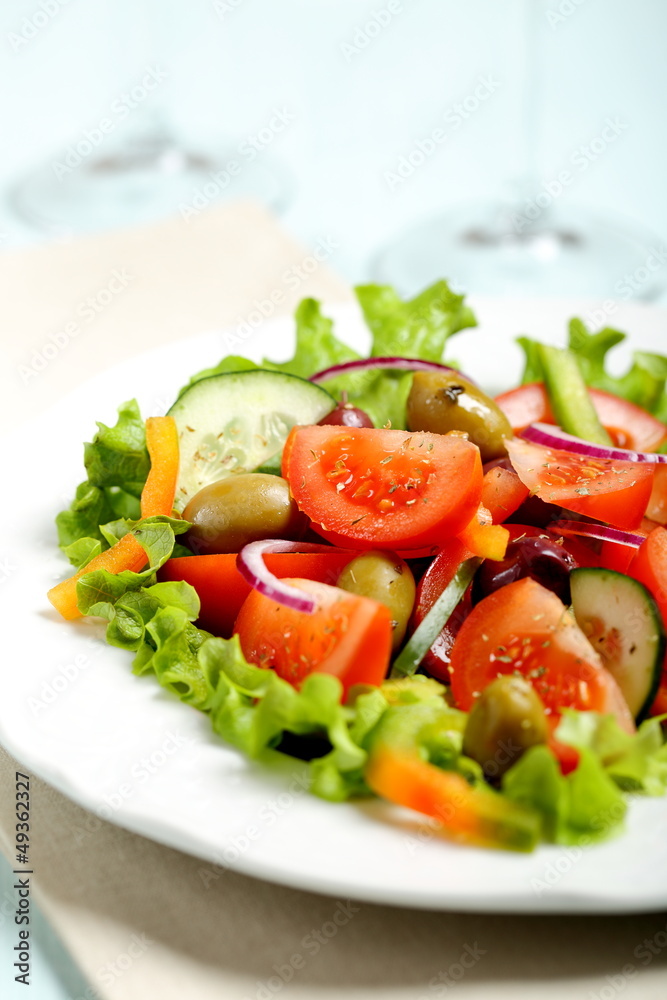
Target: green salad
x,y
451,601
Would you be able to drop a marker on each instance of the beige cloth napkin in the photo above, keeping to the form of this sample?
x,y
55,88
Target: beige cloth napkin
x,y
143,921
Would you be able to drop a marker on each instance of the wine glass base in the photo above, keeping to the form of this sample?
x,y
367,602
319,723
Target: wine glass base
x,y
498,251
140,181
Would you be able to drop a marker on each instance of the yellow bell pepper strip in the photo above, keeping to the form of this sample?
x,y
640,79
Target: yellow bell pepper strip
x,y
397,770
157,498
483,538
502,494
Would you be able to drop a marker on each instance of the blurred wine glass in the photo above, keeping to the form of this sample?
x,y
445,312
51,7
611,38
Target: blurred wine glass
x,y
528,243
134,166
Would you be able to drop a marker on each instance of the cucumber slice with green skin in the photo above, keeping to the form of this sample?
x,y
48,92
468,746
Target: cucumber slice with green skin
x,y
233,423
622,621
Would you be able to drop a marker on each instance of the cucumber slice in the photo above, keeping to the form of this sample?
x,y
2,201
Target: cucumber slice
x,y
232,423
622,621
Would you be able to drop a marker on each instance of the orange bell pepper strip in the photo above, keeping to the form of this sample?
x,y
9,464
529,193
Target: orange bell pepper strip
x,y
467,814
125,554
157,498
397,770
158,494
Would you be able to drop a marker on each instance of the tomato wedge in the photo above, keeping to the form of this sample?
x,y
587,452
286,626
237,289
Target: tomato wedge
x,y
628,425
347,636
368,487
502,493
604,489
649,566
222,590
657,505
524,628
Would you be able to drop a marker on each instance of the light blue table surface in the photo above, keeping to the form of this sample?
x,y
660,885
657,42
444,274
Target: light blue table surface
x,y
360,97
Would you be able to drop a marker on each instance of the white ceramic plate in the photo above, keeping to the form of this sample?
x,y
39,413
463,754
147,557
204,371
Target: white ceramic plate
x,y
128,751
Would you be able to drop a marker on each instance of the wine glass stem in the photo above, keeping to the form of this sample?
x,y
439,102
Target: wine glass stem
x,y
527,181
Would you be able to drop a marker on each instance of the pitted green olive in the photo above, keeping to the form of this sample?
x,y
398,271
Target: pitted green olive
x,y
443,401
240,509
507,719
387,579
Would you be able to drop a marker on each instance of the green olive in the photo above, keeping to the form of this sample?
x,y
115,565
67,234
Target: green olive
x,y
443,401
387,579
240,509
507,719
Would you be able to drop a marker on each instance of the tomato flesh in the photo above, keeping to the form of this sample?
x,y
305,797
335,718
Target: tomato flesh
x,y
628,425
657,505
605,489
369,487
222,590
438,576
347,636
649,566
502,493
524,628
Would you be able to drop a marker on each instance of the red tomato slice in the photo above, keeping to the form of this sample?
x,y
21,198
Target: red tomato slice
x,y
347,636
222,590
567,756
649,566
502,493
605,489
524,628
619,557
657,505
438,576
628,425
369,488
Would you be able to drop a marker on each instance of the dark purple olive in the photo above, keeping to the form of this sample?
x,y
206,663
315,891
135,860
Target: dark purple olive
x,y
346,415
540,558
536,512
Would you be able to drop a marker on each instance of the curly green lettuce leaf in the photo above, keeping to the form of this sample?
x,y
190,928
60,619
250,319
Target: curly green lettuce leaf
x,y
532,368
339,775
117,456
587,804
643,383
97,592
316,348
636,762
333,776
82,551
230,363
90,507
170,651
252,708
579,808
415,328
117,464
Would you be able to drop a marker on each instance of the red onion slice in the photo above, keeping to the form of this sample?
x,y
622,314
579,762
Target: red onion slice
x,y
600,531
250,564
392,363
553,437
